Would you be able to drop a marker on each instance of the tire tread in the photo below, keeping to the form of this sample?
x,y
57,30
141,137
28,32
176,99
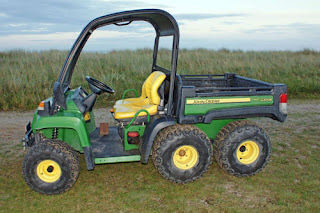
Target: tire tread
x,y
58,147
165,136
223,142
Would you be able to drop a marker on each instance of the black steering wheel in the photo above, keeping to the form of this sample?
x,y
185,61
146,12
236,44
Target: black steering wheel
x,y
99,85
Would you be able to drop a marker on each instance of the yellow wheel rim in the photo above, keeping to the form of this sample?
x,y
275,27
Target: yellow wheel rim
x,y
248,152
48,171
185,157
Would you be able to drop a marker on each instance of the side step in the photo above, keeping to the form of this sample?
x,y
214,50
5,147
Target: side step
x,y
129,158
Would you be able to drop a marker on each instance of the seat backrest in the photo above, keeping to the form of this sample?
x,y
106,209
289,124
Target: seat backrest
x,y
151,85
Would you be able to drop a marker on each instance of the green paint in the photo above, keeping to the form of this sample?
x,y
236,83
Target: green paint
x,y
71,137
70,123
128,90
68,135
129,158
213,104
214,127
64,120
140,129
137,128
91,124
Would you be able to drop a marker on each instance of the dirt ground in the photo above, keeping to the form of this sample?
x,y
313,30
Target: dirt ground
x,y
13,123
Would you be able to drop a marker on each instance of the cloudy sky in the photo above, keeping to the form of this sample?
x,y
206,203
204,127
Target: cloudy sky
x,y
232,24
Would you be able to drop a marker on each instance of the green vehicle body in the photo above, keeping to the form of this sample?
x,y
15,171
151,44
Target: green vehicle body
x,y
71,127
70,124
209,102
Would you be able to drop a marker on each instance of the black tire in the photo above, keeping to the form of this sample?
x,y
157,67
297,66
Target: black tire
x,y
242,148
51,167
177,142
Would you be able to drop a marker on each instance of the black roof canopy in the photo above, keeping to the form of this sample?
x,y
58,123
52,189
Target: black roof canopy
x,y
163,23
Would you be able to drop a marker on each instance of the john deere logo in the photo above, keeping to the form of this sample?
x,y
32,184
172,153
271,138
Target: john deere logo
x,y
266,99
218,101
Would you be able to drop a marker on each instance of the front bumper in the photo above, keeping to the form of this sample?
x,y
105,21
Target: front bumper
x,y
28,139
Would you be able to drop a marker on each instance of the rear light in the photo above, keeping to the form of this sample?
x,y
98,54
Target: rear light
x,y
283,98
133,134
283,103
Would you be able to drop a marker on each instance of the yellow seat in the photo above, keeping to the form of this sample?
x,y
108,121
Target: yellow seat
x,y
130,100
149,99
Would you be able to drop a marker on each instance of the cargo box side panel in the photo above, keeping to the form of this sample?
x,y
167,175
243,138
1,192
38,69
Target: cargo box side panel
x,y
202,105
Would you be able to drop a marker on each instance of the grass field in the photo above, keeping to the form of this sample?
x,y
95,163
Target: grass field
x,y
289,183
28,77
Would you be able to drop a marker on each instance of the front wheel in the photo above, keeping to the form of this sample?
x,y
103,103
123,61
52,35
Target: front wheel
x,y
182,153
51,167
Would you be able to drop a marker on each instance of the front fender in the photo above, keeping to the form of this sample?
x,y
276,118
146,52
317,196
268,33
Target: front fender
x,y
65,122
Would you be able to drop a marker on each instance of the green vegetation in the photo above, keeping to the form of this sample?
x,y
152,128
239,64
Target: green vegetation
x,y
289,183
28,77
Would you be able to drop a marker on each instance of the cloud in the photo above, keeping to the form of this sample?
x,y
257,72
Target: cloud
x,y
3,15
38,41
36,25
56,24
124,5
233,22
199,16
101,40
57,16
63,11
33,11
286,28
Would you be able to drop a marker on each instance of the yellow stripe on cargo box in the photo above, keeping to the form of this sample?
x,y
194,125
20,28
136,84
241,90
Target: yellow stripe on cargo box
x,y
202,105
218,100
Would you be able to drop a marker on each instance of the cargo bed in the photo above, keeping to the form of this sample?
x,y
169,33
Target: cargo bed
x,y
208,97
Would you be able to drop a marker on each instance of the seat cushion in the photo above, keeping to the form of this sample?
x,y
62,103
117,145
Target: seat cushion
x,y
128,110
129,100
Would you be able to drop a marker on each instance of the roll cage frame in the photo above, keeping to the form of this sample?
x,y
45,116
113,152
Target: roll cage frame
x,y
164,25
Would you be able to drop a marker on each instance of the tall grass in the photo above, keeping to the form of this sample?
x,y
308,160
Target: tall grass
x,y
27,77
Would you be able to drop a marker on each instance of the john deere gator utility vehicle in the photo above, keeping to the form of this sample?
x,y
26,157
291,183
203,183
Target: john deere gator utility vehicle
x,y
181,121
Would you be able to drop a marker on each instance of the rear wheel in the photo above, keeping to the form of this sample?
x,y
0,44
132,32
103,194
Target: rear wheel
x,y
51,167
182,153
242,148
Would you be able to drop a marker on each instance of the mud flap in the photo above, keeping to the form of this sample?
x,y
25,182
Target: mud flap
x,y
88,155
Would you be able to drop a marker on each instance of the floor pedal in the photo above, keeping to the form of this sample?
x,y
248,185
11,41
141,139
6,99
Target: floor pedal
x,y
104,129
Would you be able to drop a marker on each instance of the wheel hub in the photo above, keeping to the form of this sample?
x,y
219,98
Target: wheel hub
x,y
182,153
48,171
248,152
185,157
